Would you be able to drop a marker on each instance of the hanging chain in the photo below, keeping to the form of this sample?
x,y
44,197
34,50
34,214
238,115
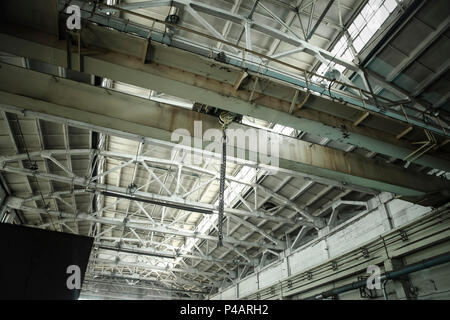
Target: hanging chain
x,y
223,167
225,118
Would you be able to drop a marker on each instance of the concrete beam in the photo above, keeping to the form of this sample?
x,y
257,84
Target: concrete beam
x,y
186,75
98,109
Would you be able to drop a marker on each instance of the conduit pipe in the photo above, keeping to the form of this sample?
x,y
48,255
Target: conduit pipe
x,y
386,276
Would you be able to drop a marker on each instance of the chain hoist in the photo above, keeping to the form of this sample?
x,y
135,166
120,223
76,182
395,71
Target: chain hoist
x,y
225,118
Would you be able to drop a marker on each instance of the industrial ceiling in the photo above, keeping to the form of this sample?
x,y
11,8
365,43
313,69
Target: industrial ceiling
x,y
153,216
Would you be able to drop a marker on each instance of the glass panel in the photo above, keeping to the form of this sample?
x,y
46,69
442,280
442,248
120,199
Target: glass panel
x,y
359,22
365,35
390,5
358,44
352,30
366,12
375,3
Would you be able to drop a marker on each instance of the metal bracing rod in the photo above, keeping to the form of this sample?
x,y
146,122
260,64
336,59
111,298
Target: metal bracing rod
x,y
167,3
301,234
233,179
319,212
144,286
260,204
227,27
171,254
330,3
311,15
150,171
70,167
16,149
47,155
173,280
150,284
286,53
122,26
142,209
143,5
151,197
146,265
275,17
17,203
96,294
104,173
46,166
199,186
297,194
289,20
256,229
333,217
203,21
139,151
129,158
239,19
239,197
302,212
166,176
124,291
115,240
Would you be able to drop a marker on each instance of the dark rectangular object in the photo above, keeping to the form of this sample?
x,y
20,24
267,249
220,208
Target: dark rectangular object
x,y
34,262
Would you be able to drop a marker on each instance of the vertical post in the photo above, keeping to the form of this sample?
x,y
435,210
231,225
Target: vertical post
x,y
402,285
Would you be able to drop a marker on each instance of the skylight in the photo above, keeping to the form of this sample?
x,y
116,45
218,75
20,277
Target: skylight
x,y
365,25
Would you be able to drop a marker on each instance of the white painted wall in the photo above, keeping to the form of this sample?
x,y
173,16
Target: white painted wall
x,y
351,234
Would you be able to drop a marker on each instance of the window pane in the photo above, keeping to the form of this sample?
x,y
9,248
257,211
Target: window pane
x,y
365,35
359,22
366,12
352,30
358,44
390,5
375,22
383,13
375,3
379,17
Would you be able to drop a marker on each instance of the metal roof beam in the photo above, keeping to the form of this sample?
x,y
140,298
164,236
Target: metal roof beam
x,y
17,203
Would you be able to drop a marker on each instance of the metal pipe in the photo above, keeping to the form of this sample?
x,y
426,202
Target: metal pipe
x,y
119,249
157,202
383,287
386,276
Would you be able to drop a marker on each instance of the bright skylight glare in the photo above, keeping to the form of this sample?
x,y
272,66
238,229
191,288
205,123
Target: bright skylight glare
x,y
365,25
247,175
